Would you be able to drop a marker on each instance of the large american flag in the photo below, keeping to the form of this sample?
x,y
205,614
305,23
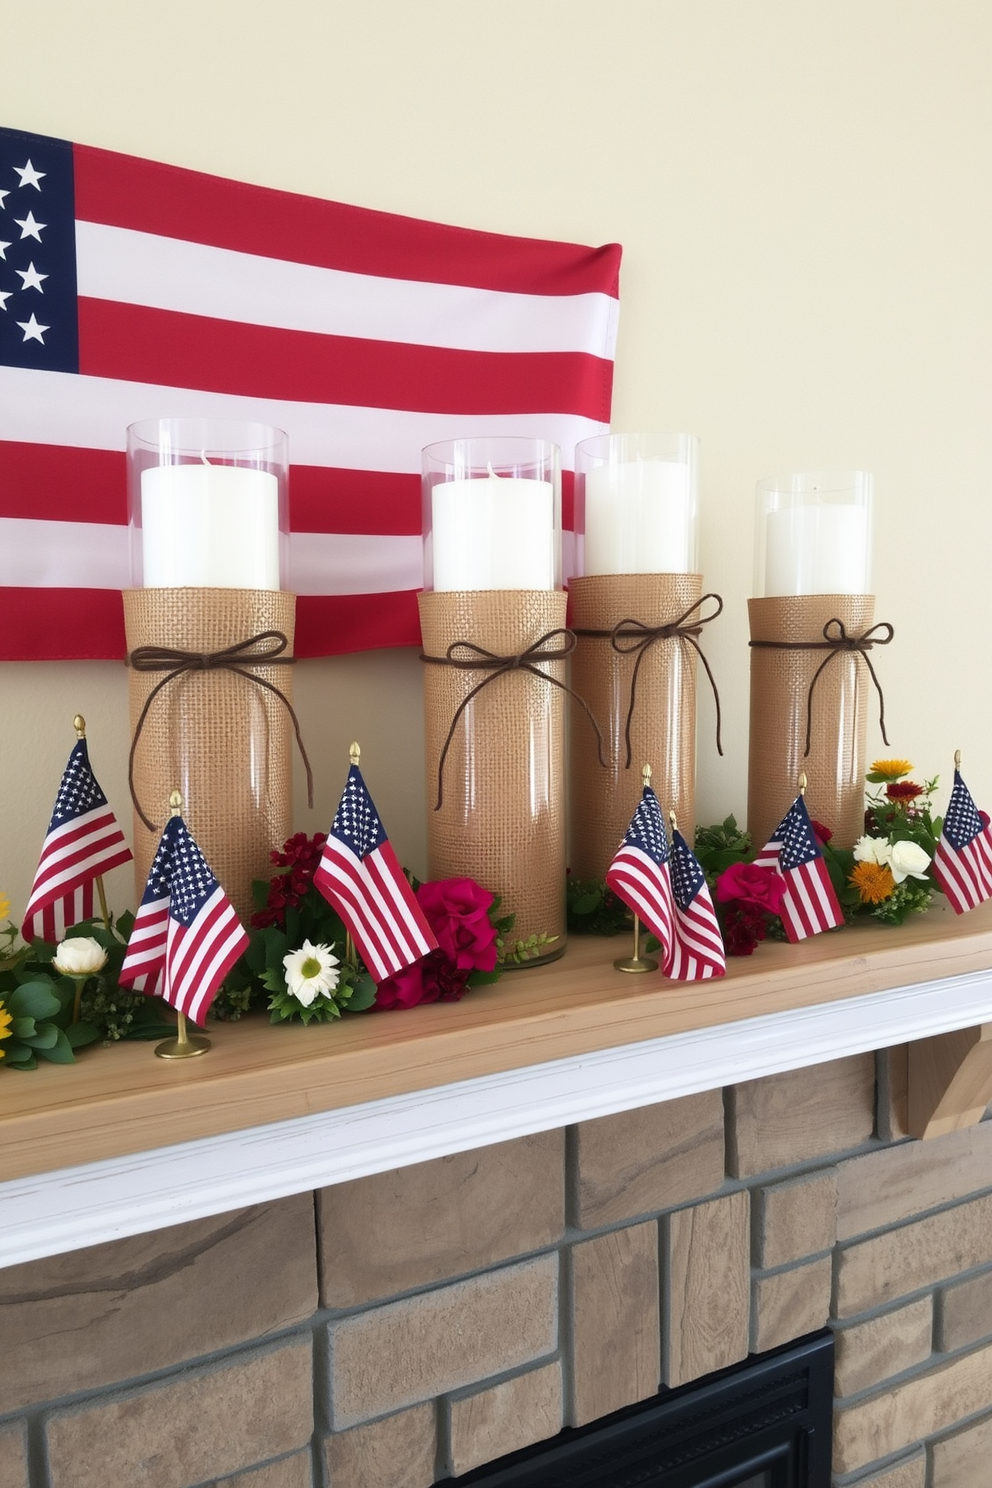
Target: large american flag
x,y
810,904
360,875
697,950
639,872
133,290
186,935
83,841
962,864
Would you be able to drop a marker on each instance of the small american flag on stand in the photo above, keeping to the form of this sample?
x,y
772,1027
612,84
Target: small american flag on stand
x,y
962,864
639,873
83,842
810,904
697,950
186,935
360,875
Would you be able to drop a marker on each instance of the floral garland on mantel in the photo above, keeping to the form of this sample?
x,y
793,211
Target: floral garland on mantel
x,y
56,999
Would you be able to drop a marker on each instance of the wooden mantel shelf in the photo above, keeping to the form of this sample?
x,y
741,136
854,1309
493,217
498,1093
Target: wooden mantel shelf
x,y
122,1142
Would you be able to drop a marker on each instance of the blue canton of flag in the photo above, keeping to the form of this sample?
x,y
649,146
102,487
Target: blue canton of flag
x,y
360,875
639,873
83,842
810,904
38,324
186,935
962,864
697,946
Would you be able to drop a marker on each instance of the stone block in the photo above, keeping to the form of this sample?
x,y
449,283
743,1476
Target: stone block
x,y
964,1460
922,1254
892,1070
397,1452
408,1351
966,1313
616,1333
13,1456
638,1162
432,1221
885,1187
924,1406
868,1353
787,1304
708,1288
206,1424
289,1472
796,1219
911,1472
802,1114
107,1313
506,1417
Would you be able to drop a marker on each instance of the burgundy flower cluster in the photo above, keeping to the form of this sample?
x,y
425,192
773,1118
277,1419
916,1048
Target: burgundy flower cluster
x,y
457,910
752,897
300,856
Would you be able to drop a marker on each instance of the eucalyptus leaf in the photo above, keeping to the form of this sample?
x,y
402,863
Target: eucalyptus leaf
x,y
59,1051
32,999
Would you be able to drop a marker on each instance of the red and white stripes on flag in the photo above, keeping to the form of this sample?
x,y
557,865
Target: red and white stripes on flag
x,y
360,875
362,334
83,841
697,950
186,935
810,903
962,864
639,873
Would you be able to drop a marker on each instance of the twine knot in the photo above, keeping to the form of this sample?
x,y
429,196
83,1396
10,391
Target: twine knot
x,y
264,649
837,641
468,657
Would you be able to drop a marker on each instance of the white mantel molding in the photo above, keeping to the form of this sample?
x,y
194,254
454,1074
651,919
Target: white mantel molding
x,y
74,1207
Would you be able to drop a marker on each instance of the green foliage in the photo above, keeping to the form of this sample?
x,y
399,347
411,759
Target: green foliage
x,y
593,909
719,847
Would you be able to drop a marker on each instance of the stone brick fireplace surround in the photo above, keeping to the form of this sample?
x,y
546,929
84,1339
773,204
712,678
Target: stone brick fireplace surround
x,y
388,1331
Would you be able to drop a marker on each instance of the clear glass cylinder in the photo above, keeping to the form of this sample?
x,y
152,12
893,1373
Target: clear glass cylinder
x,y
813,534
492,514
208,504
636,504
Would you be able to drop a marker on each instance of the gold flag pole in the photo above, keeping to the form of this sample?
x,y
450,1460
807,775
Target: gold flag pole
x,y
182,1046
354,755
637,962
79,724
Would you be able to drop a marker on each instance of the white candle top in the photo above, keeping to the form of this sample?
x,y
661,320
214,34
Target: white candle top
x,y
214,526
493,532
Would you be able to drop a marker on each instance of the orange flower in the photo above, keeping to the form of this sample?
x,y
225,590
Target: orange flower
x,y
873,881
891,769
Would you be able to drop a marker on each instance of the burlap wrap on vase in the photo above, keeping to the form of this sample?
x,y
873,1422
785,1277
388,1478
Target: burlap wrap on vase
x,y
780,682
222,742
663,725
502,817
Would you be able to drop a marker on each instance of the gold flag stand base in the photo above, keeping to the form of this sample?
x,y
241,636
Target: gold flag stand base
x,y
182,1046
636,962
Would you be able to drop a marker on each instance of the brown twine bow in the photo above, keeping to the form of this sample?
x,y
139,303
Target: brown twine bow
x,y
481,660
835,640
239,658
641,638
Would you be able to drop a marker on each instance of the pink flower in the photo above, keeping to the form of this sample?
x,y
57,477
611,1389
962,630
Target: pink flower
x,y
432,979
405,989
750,884
457,910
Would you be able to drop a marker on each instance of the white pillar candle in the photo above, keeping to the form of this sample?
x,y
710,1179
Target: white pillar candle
x,y
817,549
638,517
213,526
494,532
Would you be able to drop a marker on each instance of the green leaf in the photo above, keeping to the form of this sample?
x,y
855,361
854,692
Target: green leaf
x,y
21,1028
59,1051
33,999
260,892
46,1036
81,1034
362,995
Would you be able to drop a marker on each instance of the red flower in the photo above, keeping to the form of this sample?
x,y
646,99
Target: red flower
x,y
403,989
457,910
762,887
903,790
744,925
301,856
821,833
433,979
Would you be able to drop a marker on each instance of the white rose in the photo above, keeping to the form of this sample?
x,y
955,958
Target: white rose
x,y
908,860
311,972
872,850
80,955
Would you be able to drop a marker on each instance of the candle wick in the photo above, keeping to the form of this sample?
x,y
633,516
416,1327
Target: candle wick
x,y
203,457
492,473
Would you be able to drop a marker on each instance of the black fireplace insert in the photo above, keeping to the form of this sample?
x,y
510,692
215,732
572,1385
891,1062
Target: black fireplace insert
x,y
765,1423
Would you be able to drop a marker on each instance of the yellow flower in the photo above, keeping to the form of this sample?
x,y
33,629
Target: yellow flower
x,y
891,769
873,881
4,907
5,1022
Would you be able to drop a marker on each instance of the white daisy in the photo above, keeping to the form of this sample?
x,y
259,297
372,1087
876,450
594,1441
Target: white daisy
x,y
311,972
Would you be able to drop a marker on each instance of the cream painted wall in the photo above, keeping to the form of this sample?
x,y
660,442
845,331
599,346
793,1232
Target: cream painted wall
x,y
802,189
